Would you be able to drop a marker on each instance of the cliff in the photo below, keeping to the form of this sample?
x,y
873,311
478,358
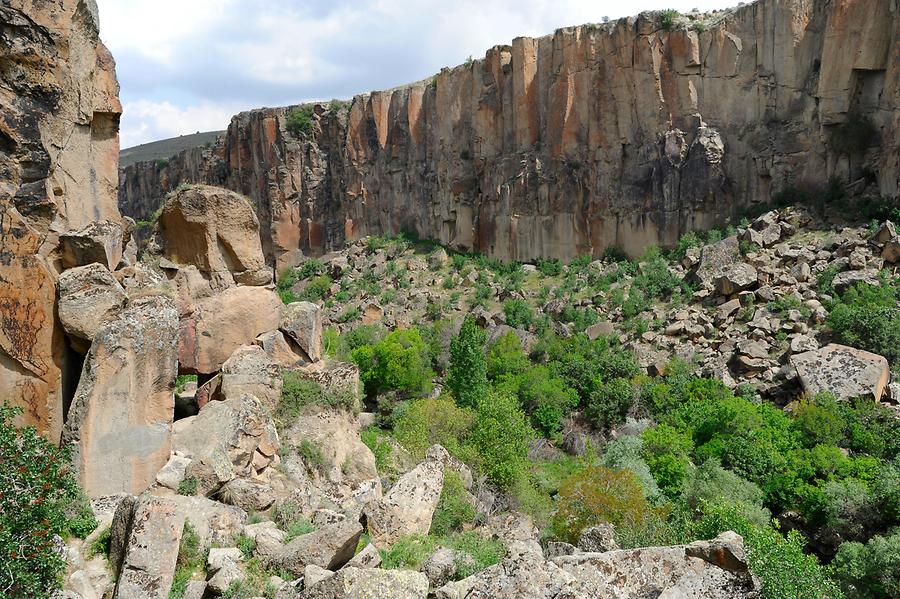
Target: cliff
x,y
624,134
59,144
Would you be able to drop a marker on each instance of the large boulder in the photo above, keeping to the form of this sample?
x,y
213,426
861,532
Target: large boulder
x,y
88,295
409,505
220,324
100,241
716,568
120,421
227,439
845,371
215,230
144,540
329,547
359,583
302,322
715,259
735,278
250,371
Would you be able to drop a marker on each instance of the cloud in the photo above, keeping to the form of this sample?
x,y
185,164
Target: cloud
x,y
198,61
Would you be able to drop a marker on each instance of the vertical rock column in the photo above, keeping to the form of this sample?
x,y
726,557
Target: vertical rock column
x,y
120,422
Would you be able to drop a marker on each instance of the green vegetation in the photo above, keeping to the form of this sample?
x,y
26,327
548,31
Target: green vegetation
x,y
191,559
300,120
412,551
454,510
467,378
299,392
188,486
36,490
868,317
668,18
399,362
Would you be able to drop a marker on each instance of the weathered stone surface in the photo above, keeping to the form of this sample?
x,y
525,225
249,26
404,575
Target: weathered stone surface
x,y
215,230
598,539
144,547
279,350
845,371
369,557
99,241
329,547
223,439
302,321
715,259
215,523
171,475
617,134
220,324
359,583
88,295
409,505
845,280
716,568
58,156
249,495
736,278
119,425
250,371
442,566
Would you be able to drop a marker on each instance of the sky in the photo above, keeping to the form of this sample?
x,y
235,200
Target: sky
x,y
189,65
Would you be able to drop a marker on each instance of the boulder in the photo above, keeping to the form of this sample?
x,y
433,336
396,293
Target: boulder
x,y
250,371
736,278
224,437
249,495
144,541
844,280
714,260
357,583
215,523
120,421
215,230
279,350
409,505
171,475
369,557
302,322
846,372
329,547
601,329
216,326
101,241
88,295
442,566
598,539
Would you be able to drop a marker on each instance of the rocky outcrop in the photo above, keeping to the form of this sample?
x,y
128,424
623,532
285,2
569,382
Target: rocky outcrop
x,y
88,295
846,372
368,582
329,547
617,134
120,423
59,148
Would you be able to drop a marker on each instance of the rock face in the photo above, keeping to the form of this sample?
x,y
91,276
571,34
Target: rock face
x,y
716,568
120,421
409,506
845,371
329,547
357,583
215,230
87,296
59,147
618,134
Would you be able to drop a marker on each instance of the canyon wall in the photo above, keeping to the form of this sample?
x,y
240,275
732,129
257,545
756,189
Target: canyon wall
x,y
59,145
622,134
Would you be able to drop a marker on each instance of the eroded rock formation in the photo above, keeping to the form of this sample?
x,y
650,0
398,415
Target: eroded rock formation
x,y
59,144
623,133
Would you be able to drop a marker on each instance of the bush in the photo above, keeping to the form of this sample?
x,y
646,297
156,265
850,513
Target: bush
x,y
870,571
545,397
188,486
550,268
710,483
596,495
316,289
454,508
668,17
610,402
190,560
519,314
667,453
501,437
408,553
36,485
484,552
625,454
299,392
867,317
506,358
300,120
400,362
467,377
426,422
819,420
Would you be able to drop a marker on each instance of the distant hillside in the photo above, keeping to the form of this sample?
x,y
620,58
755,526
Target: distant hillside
x,y
165,148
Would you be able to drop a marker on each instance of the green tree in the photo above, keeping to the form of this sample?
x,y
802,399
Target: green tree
x,y
500,437
467,376
36,486
546,398
506,357
870,571
400,362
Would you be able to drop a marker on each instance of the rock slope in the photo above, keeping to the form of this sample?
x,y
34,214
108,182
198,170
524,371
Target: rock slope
x,y
624,134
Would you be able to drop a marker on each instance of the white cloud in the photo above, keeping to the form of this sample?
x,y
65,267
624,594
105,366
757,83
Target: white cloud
x,y
186,65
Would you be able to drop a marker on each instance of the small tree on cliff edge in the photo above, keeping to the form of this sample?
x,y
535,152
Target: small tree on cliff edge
x,y
467,377
35,488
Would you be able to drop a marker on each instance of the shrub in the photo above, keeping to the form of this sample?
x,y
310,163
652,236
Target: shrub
x,y
501,437
312,456
667,453
188,486
506,357
400,362
610,402
545,397
596,495
299,392
625,454
819,420
408,553
425,422
316,289
297,527
300,120
467,377
550,268
519,314
350,315
380,449
454,508
871,570
710,483
35,487
190,560
668,17
868,317
484,552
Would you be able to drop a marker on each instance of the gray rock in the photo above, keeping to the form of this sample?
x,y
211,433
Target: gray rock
x,y
250,371
736,278
330,547
302,322
846,372
359,583
847,279
598,539
88,295
369,557
101,241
